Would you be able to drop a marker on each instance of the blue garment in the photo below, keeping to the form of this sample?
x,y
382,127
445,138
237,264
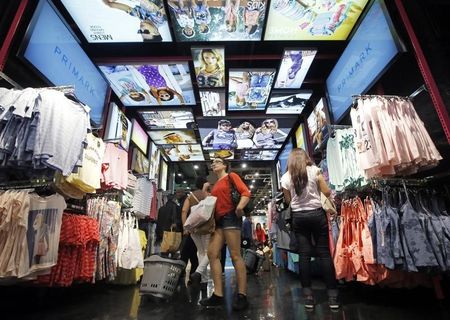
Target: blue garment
x,y
247,229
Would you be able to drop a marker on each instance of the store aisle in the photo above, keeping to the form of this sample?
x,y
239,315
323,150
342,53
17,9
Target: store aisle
x,y
275,295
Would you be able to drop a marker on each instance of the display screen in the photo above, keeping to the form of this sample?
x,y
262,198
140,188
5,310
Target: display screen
x,y
209,65
155,158
368,54
262,133
139,162
312,19
108,21
259,155
118,127
223,154
163,176
167,119
172,137
52,49
213,103
282,102
318,122
283,158
221,20
294,67
249,89
139,137
184,152
300,137
151,84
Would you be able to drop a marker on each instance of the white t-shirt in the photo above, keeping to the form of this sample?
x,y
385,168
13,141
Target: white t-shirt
x,y
309,199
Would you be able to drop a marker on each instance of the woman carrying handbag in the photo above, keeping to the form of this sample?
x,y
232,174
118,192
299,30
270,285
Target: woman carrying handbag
x,y
232,197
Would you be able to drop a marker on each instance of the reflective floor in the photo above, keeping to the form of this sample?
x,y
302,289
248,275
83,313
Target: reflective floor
x,y
273,295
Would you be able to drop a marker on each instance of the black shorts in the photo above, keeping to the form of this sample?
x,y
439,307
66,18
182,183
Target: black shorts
x,y
229,221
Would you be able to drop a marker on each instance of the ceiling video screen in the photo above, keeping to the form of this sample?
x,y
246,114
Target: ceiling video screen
x,y
263,133
318,122
118,127
151,84
300,137
167,119
222,154
185,152
213,103
283,102
249,89
219,20
294,67
108,21
172,136
312,19
254,155
139,137
209,65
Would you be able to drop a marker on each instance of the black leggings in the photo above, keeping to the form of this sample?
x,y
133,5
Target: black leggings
x,y
313,225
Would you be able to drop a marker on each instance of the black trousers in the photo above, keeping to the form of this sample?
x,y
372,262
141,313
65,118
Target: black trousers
x,y
189,252
308,226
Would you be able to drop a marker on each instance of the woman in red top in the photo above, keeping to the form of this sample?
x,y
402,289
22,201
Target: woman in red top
x,y
228,228
260,234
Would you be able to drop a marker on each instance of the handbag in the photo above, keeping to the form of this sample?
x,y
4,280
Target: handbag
x,y
206,228
201,212
235,195
328,205
171,241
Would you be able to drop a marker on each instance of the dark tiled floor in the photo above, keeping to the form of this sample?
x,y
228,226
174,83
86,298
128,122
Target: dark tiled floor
x,y
273,295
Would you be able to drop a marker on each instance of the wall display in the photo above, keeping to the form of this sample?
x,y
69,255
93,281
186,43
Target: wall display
x,y
294,67
223,154
282,102
155,158
224,134
167,119
367,56
139,162
184,152
300,137
312,20
318,122
249,89
151,84
56,54
163,176
118,127
259,155
213,103
209,65
139,137
284,156
172,137
120,21
218,20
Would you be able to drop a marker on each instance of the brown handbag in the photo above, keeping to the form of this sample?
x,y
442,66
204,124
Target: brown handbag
x,y
206,228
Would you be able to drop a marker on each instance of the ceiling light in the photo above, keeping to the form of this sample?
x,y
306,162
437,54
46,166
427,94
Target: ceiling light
x,y
180,175
244,165
253,181
252,186
257,174
196,166
184,181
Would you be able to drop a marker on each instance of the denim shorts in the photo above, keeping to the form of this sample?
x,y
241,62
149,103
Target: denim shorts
x,y
229,221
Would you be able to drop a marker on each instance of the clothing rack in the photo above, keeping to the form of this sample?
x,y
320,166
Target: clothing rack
x,y
418,90
27,184
70,89
410,97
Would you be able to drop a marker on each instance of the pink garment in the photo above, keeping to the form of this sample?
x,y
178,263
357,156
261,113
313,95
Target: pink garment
x,y
114,168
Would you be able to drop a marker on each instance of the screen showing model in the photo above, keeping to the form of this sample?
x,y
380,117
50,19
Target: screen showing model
x,y
167,119
213,103
294,67
209,65
282,102
173,136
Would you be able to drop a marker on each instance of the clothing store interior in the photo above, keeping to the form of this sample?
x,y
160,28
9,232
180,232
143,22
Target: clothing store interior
x,y
224,159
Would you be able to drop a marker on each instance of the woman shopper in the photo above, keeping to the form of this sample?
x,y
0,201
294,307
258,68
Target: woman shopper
x,y
228,228
200,276
302,185
260,234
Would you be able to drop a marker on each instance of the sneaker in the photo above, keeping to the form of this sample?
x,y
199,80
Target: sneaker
x,y
309,301
213,301
195,279
240,302
333,302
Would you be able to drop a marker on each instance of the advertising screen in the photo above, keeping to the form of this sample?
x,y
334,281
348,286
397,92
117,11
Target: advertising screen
x,y
213,103
183,152
224,134
163,176
223,154
258,155
118,127
155,158
52,49
318,122
172,137
120,21
300,137
167,119
294,67
139,162
312,20
209,65
139,137
151,84
284,157
218,20
282,102
249,89
368,54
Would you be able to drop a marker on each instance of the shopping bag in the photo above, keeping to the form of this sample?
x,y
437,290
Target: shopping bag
x,y
200,213
328,205
206,228
171,241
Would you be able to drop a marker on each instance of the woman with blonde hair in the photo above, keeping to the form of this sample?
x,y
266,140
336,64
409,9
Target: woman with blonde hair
x,y
302,184
211,73
268,135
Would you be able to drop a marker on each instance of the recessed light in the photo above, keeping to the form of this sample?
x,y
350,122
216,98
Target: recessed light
x,y
252,186
196,167
184,181
253,181
244,165
257,174
180,175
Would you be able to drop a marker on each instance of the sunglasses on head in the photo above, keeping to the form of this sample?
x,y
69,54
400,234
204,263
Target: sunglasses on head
x,y
140,31
269,121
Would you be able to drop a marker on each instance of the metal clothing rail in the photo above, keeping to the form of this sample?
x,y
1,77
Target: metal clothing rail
x,y
10,81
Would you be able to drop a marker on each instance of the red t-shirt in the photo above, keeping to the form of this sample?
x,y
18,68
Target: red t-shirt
x,y
222,190
260,235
